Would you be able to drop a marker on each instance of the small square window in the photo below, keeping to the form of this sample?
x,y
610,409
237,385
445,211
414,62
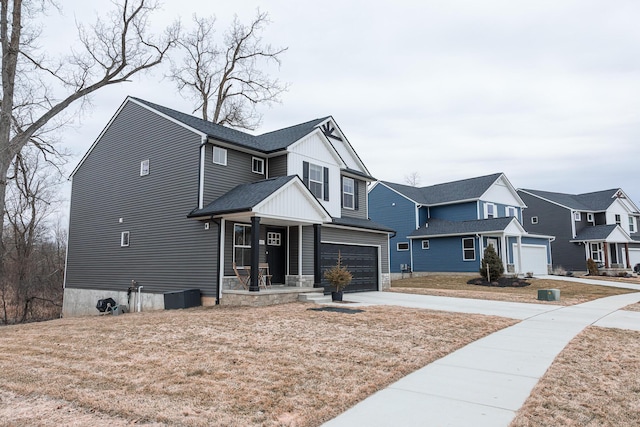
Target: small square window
x,y
403,246
257,165
274,239
425,244
220,156
144,167
124,239
534,220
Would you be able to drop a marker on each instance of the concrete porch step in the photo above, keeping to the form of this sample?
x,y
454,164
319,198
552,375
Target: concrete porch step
x,y
315,297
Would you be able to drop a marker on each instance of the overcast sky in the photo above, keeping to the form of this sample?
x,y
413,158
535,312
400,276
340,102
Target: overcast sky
x,y
547,92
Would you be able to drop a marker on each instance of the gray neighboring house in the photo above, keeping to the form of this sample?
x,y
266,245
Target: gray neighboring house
x,y
169,202
601,225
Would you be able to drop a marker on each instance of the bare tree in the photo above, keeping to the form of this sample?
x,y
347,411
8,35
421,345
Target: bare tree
x,y
413,179
32,261
226,83
36,90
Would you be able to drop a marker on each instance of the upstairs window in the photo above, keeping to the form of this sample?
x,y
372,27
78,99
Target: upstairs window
x,y
618,219
257,165
220,156
511,211
348,193
316,178
576,216
591,218
489,210
144,167
534,220
403,246
632,225
425,244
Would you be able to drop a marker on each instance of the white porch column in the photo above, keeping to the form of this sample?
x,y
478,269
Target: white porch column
x,y
503,252
299,251
519,270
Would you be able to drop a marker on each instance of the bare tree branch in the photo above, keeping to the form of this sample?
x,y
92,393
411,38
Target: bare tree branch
x,y
226,83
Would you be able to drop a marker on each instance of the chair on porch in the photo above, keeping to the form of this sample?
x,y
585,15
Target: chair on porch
x,y
243,275
263,276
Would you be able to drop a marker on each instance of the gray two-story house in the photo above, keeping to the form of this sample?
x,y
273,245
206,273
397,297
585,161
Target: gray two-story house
x,y
164,201
601,225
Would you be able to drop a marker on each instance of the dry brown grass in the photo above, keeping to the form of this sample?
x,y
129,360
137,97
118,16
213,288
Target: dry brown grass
x,y
456,286
595,381
283,365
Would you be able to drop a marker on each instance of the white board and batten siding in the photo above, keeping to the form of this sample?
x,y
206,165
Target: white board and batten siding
x,y
315,149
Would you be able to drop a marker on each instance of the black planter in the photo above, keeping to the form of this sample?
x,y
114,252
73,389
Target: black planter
x,y
336,296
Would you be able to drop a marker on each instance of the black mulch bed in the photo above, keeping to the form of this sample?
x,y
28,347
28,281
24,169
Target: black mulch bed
x,y
338,310
503,282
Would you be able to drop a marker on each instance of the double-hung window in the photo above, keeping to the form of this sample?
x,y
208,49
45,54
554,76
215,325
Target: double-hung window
x,y
511,211
469,249
489,210
632,225
316,180
618,219
348,193
242,244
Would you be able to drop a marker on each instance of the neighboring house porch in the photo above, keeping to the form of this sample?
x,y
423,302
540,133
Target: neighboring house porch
x,y
609,246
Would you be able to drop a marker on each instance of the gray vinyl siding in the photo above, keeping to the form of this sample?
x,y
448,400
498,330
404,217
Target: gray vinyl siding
x,y
278,166
554,220
361,212
167,251
351,237
293,250
307,249
219,179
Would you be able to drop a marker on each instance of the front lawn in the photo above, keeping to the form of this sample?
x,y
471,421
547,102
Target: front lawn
x,y
457,286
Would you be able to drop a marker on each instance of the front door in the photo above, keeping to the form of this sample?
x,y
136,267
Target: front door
x,y
276,253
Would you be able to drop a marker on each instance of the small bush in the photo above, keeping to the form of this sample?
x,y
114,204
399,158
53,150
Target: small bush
x,y
491,265
592,267
338,275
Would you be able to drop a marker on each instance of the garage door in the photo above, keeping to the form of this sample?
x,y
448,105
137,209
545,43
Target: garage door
x,y
362,262
534,259
634,256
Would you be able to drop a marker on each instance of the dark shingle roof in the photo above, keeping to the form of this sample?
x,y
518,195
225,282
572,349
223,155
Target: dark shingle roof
x,y
598,232
440,227
361,223
448,192
597,201
243,197
268,142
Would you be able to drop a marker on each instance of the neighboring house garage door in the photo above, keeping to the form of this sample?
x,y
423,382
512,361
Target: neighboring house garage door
x,y
634,256
534,259
361,261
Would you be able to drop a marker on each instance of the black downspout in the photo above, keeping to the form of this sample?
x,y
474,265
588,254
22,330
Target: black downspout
x,y
255,253
317,239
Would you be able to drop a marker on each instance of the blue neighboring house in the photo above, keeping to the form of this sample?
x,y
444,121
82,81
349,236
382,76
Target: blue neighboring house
x,y
446,227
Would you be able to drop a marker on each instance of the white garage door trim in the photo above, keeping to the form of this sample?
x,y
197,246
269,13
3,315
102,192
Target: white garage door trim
x,y
534,259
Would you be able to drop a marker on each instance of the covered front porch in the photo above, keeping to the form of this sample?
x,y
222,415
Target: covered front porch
x,y
608,246
268,240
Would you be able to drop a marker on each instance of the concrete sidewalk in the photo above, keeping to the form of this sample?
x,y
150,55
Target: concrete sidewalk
x,y
487,381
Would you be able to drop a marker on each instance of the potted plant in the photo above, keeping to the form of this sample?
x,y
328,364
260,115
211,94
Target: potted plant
x,y
338,277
